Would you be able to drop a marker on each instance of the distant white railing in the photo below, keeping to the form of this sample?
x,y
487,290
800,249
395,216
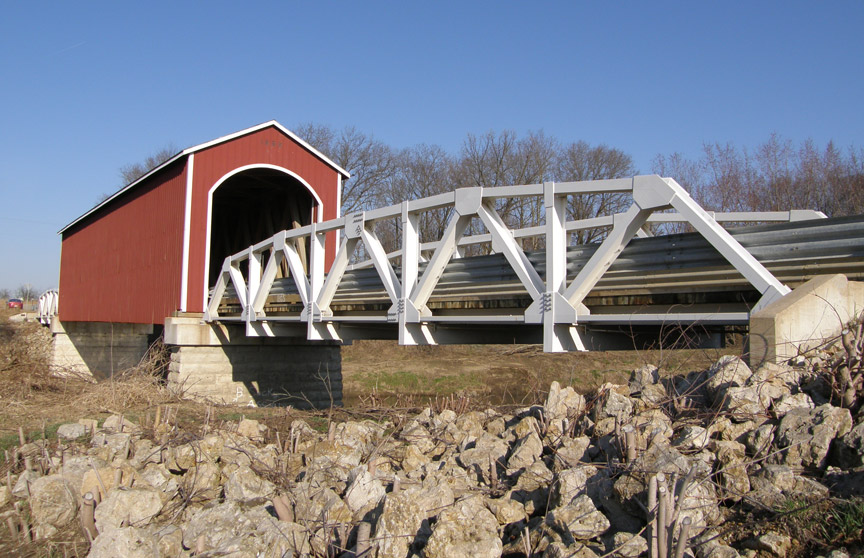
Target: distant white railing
x,y
49,306
557,304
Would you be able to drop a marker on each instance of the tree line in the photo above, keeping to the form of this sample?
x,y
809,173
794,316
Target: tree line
x,y
777,174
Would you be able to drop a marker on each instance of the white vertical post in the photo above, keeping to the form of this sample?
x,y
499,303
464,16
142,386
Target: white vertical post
x,y
410,260
559,333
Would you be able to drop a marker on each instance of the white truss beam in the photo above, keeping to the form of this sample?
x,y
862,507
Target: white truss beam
x,y
556,305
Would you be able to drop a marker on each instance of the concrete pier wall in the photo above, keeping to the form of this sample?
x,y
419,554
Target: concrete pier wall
x,y
214,362
219,363
98,349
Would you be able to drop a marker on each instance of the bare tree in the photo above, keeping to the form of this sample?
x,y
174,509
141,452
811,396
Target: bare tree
x,y
501,159
5,294
368,160
133,171
580,161
777,176
26,292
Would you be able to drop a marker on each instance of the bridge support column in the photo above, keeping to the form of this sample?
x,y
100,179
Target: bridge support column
x,y
219,362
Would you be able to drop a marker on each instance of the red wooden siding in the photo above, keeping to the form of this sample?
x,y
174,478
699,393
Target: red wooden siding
x,y
123,264
266,146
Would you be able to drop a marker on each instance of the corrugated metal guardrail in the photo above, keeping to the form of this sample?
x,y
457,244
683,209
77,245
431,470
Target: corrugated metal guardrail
x,y
793,252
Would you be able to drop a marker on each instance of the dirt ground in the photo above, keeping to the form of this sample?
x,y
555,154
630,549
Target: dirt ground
x,y
494,374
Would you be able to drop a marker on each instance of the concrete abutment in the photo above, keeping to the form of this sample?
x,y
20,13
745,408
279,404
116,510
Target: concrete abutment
x,y
817,310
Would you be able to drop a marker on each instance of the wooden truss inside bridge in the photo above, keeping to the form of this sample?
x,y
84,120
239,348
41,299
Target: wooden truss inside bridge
x,y
427,293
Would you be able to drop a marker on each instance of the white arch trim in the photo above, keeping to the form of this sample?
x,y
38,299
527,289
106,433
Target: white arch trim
x,y
319,218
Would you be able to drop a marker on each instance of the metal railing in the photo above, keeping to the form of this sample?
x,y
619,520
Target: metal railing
x,y
49,306
556,298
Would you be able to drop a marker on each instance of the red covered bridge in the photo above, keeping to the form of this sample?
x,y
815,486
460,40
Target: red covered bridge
x,y
149,254
154,248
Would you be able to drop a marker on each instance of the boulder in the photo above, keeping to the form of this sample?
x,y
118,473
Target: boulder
x,y
52,501
125,507
578,520
465,530
129,542
805,435
401,521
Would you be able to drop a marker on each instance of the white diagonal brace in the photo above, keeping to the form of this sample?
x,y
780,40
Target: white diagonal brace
x,y
379,258
725,243
443,253
212,312
337,270
625,228
239,287
267,279
503,242
298,273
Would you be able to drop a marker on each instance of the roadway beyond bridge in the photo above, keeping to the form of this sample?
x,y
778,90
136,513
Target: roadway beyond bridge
x,y
234,252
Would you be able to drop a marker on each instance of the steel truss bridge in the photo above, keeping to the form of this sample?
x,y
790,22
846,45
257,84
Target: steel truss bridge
x,y
567,297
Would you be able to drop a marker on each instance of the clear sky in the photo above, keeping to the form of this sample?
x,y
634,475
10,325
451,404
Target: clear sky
x,y
86,87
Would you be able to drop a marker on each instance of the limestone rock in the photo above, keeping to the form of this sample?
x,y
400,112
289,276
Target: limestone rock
x,y
578,520
506,511
465,530
401,520
572,483
648,375
52,501
789,402
732,470
312,502
563,403
244,486
629,545
572,452
849,449
251,429
692,438
129,542
525,452
24,483
71,431
806,435
364,492
728,371
133,507
117,423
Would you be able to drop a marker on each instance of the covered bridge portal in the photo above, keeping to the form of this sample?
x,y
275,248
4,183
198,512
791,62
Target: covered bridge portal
x,y
154,249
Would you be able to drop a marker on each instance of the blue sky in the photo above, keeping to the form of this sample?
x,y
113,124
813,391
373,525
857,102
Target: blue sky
x,y
87,87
